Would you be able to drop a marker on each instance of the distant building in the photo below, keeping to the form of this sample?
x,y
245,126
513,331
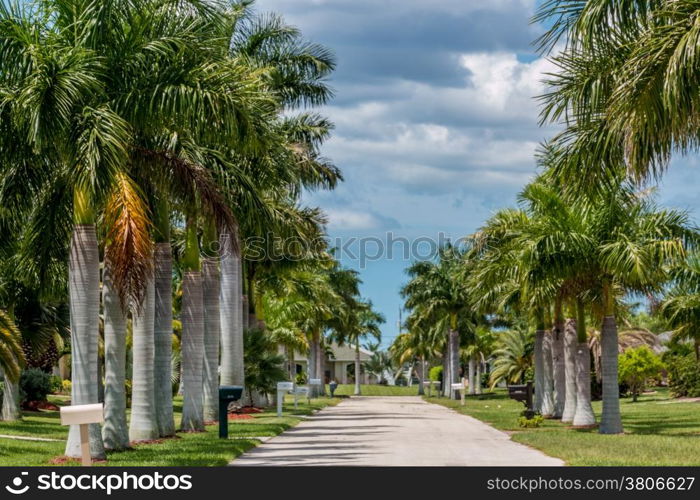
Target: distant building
x,y
340,366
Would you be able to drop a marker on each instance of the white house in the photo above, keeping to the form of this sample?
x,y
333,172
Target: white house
x,y
338,365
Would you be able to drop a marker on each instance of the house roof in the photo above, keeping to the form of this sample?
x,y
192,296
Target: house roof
x,y
340,353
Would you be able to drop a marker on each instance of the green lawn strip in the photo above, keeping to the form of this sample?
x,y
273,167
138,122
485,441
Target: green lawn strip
x,y
658,431
377,390
187,449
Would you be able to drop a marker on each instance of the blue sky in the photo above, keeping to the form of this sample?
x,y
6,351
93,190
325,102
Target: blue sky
x,y
436,124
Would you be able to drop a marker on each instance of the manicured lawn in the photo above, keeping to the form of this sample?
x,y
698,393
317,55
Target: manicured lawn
x,y
658,431
376,390
200,449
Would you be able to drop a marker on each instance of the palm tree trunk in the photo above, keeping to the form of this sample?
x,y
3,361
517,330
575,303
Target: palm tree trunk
x,y
234,309
610,421
115,432
144,423
421,376
454,359
477,385
10,400
539,370
320,368
584,415
472,375
547,399
212,335
570,370
446,382
558,367
163,338
357,368
192,351
84,293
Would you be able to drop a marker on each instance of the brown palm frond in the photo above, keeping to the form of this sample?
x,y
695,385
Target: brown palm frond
x,y
129,248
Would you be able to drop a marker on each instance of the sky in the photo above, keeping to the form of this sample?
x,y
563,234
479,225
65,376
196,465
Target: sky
x,y
436,126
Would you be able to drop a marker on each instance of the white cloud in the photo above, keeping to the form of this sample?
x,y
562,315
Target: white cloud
x,y
351,220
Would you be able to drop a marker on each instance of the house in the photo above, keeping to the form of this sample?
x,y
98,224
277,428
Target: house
x,y
339,364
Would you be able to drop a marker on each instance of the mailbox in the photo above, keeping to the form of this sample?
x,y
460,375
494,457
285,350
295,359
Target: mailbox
x,y
227,395
315,386
282,389
523,393
285,386
83,415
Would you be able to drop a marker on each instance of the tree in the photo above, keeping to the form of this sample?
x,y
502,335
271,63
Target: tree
x,y
512,357
637,366
437,292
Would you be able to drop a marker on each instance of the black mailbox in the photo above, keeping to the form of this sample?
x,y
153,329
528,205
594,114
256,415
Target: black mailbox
x,y
522,393
227,395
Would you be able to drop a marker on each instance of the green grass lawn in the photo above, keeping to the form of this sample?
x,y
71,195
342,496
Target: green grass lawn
x,y
376,390
187,449
658,431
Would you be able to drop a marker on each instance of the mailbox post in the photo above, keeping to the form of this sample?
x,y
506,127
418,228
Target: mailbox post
x,y
282,389
83,415
227,395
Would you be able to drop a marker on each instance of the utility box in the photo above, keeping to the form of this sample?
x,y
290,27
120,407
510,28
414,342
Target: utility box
x,y
227,395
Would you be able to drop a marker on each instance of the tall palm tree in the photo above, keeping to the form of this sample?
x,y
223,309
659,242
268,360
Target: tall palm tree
x,y
437,290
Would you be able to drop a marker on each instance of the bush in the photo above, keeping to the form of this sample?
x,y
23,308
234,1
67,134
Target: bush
x,y
66,386
530,423
34,385
56,384
683,375
636,366
435,374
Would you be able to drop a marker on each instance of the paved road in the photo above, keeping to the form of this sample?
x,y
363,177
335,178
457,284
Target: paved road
x,y
392,431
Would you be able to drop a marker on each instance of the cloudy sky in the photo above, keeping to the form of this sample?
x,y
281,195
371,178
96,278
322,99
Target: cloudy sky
x,y
436,124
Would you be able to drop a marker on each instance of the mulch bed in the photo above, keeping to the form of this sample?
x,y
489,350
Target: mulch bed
x,y
39,405
248,409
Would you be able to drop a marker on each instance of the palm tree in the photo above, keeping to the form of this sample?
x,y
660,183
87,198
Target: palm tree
x,y
681,306
438,292
512,357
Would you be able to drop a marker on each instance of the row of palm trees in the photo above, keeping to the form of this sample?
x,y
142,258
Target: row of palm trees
x,y
585,235
144,141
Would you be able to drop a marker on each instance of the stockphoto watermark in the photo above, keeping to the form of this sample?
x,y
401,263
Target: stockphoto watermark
x,y
359,249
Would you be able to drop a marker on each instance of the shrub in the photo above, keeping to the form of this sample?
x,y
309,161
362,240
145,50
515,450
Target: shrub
x,y
435,374
56,384
66,386
530,423
636,366
34,385
683,375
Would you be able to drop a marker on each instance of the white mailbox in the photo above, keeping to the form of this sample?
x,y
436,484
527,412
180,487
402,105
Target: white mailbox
x,y
282,389
83,415
285,386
